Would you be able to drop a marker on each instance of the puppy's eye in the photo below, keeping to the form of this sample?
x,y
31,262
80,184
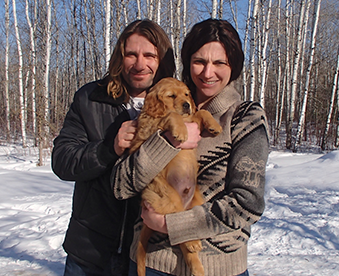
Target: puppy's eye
x,y
172,96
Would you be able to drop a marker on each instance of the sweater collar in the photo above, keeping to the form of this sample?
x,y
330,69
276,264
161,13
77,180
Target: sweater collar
x,y
222,101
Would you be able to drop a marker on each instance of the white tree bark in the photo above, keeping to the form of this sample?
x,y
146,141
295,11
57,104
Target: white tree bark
x,y
244,72
177,37
308,77
21,89
335,90
7,105
287,78
158,11
254,20
214,8
264,57
296,64
279,101
171,22
139,10
107,32
32,28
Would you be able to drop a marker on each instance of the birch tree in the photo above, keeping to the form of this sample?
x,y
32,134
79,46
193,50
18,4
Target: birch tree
x,y
214,8
264,57
292,100
331,108
7,105
20,78
308,77
107,32
278,104
254,21
244,71
32,30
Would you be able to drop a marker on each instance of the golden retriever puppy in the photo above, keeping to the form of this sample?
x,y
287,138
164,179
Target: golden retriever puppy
x,y
168,105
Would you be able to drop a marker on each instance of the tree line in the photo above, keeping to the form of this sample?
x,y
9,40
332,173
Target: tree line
x,y
50,48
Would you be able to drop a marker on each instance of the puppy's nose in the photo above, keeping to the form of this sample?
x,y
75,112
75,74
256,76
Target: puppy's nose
x,y
186,105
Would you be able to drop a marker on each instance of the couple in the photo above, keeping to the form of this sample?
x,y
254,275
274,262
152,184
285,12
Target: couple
x,y
105,223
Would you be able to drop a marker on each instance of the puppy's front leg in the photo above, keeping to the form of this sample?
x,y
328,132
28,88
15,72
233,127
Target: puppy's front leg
x,y
206,121
174,123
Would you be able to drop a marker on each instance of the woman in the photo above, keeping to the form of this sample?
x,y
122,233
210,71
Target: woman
x,y
232,165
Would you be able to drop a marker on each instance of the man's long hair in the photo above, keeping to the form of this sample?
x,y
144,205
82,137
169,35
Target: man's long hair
x,y
154,34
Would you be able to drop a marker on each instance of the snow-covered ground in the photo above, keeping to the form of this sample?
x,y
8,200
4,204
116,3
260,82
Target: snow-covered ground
x,y
297,235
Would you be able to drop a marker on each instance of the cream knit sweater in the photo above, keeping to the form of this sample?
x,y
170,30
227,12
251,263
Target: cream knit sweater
x,y
231,178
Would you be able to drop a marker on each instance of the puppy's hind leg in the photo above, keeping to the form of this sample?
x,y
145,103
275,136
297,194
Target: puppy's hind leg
x,y
192,259
145,235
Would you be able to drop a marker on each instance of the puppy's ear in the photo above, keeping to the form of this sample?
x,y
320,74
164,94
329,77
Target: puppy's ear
x,y
154,106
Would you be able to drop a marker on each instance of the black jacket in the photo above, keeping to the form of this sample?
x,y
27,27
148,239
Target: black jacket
x,y
100,225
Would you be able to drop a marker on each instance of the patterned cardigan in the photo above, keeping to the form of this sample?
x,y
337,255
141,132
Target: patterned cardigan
x,y
231,178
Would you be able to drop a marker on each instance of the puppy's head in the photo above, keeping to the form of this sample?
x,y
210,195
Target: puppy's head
x,y
169,95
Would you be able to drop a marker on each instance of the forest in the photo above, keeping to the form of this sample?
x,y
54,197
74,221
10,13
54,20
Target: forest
x,y
50,48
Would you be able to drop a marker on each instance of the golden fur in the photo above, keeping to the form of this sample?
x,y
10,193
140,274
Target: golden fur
x,y
168,105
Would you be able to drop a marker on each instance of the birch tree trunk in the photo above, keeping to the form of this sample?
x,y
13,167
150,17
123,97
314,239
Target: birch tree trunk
x,y
221,11
177,37
254,20
171,22
158,11
264,57
308,77
234,11
289,126
21,90
107,32
7,105
329,116
287,78
244,72
278,105
214,8
139,10
32,29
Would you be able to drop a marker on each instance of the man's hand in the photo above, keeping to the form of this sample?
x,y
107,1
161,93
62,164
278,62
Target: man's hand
x,y
125,136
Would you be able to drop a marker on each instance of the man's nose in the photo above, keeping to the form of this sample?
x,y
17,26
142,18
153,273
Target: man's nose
x,y
139,63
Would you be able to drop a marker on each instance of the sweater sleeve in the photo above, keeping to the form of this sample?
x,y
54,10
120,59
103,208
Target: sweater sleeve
x,y
241,203
132,173
74,156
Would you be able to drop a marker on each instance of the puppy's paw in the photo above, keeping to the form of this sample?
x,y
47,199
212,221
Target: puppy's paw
x,y
214,128
179,133
193,246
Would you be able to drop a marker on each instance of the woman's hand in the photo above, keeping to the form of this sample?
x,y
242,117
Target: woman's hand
x,y
125,136
152,219
192,140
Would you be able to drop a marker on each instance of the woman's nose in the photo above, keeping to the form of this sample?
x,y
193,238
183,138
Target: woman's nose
x,y
208,70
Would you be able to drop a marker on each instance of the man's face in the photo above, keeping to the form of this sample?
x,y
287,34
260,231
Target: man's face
x,y
140,64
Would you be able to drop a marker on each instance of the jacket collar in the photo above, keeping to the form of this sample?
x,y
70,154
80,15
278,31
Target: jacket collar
x,y
99,94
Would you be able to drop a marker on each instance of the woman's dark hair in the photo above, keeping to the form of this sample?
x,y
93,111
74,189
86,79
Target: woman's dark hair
x,y
211,30
154,34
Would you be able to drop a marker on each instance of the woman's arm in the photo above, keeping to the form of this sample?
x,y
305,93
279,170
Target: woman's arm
x,y
243,201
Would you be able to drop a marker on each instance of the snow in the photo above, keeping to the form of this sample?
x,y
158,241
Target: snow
x,y
298,233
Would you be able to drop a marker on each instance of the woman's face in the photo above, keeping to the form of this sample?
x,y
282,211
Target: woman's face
x,y
210,70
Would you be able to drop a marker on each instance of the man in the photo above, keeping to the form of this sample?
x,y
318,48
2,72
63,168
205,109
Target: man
x,y
101,228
